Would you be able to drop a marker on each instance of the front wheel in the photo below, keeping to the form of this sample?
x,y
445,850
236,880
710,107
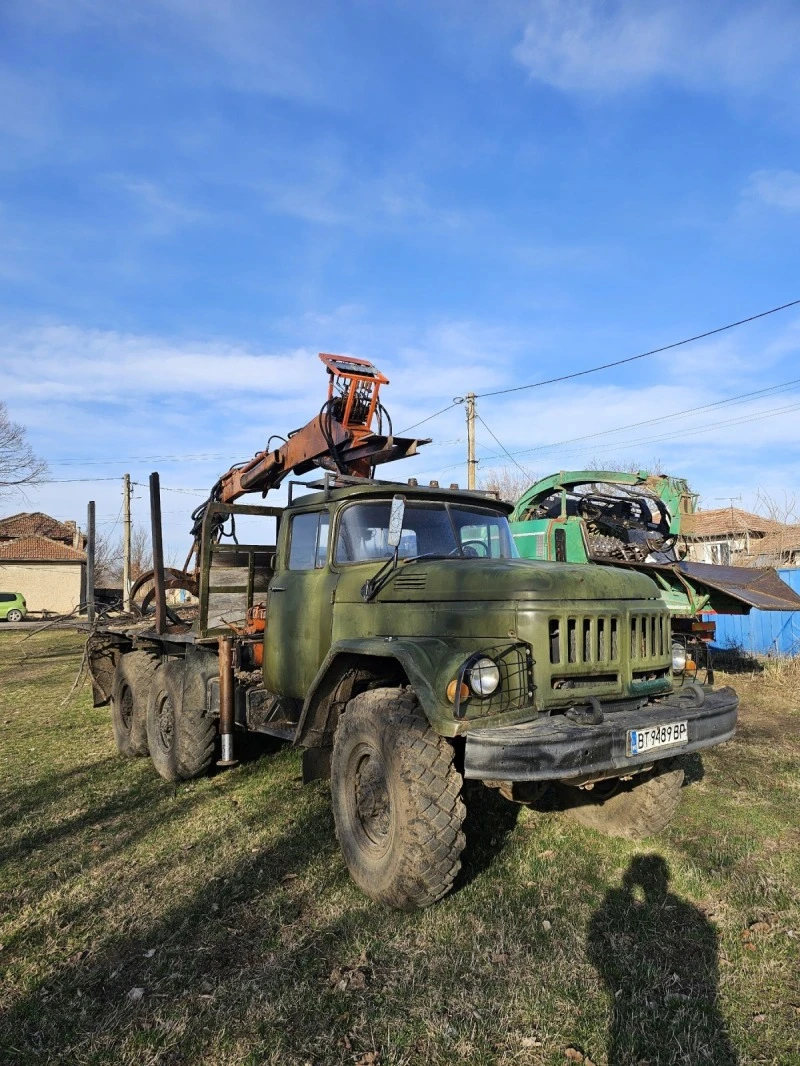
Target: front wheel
x,y
396,801
633,809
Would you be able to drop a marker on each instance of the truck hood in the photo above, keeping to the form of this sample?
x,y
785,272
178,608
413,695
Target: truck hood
x,y
504,579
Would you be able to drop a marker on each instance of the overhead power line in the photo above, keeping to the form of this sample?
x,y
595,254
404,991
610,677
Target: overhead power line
x,y
641,355
672,435
507,452
72,480
730,401
188,458
436,414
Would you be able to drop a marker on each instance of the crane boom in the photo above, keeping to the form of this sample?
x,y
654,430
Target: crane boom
x,y
340,438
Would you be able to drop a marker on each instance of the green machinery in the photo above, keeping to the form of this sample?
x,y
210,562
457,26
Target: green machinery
x,y
635,520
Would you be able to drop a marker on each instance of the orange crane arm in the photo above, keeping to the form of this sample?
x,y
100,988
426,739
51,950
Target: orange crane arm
x,y
340,438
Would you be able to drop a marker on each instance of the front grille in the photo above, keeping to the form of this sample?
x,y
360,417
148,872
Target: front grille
x,y
588,640
649,636
585,639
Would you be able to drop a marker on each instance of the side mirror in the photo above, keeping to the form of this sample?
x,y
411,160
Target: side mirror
x,y
396,521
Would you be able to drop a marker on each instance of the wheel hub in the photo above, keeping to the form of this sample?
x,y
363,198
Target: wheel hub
x,y
166,723
372,799
126,709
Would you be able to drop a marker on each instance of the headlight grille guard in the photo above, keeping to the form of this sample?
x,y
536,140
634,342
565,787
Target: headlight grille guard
x,y
516,689
699,652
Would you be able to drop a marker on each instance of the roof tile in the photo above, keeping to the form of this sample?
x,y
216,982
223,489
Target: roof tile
x,y
39,549
37,524
726,520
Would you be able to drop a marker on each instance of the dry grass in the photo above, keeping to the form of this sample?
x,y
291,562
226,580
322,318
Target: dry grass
x,y
226,901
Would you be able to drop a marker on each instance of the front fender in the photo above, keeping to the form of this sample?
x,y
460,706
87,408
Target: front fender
x,y
429,664
424,661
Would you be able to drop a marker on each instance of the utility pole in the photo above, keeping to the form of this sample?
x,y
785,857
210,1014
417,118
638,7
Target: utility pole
x,y
90,538
472,462
126,542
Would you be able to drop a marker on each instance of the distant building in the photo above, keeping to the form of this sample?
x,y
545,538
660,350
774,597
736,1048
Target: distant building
x,y
45,560
728,536
781,548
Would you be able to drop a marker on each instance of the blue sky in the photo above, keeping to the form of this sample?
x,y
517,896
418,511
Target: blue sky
x,y
197,197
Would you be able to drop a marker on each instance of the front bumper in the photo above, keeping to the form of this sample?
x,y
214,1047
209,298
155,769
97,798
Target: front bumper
x,y
555,748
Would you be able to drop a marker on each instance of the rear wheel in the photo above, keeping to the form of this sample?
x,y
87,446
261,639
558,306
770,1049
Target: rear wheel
x,y
633,809
129,694
14,615
162,711
396,801
197,730
181,735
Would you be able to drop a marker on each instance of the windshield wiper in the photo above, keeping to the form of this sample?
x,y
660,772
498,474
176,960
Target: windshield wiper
x,y
371,587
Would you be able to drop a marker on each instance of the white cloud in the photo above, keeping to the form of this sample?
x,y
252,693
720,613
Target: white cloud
x,y
111,366
590,46
775,188
103,397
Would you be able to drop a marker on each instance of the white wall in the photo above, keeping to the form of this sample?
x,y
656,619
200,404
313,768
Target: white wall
x,y
52,587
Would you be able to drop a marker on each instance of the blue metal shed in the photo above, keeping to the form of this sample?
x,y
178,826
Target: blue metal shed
x,y
763,632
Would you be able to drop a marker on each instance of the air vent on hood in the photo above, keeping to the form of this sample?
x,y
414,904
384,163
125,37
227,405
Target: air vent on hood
x,y
410,582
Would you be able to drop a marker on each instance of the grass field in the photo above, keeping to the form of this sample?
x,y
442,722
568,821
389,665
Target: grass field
x,y
214,922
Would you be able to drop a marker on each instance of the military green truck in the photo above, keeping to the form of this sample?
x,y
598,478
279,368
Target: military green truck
x,y
393,634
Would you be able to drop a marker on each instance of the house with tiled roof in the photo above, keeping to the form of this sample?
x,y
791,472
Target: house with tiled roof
x,y
779,548
44,559
726,535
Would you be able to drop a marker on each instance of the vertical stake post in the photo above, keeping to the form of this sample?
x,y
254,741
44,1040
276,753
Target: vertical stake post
x,y
472,462
227,720
90,550
158,554
126,542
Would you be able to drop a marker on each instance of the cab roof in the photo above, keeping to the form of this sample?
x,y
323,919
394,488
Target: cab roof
x,y
364,489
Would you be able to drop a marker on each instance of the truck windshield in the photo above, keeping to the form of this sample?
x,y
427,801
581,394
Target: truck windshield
x,y
441,529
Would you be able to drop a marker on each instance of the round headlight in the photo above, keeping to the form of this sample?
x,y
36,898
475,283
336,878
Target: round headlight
x,y
678,658
484,677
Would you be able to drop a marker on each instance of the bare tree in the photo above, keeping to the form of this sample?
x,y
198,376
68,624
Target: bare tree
x,y
107,561
18,464
781,546
786,510
508,483
141,552
108,557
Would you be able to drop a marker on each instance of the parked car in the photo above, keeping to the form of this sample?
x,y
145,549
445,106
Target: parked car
x,y
12,607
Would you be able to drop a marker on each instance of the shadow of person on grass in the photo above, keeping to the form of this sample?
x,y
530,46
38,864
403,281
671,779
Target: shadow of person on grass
x,y
657,955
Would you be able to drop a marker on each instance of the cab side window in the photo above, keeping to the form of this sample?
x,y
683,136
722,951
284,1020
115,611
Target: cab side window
x,y
308,542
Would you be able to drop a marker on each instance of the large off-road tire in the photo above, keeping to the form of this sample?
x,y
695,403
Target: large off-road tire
x,y
633,809
197,730
162,716
396,800
182,737
130,691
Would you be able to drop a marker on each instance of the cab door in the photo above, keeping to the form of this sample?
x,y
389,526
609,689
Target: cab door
x,y
300,606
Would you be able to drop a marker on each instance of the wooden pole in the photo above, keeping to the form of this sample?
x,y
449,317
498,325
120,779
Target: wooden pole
x,y
126,542
90,546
